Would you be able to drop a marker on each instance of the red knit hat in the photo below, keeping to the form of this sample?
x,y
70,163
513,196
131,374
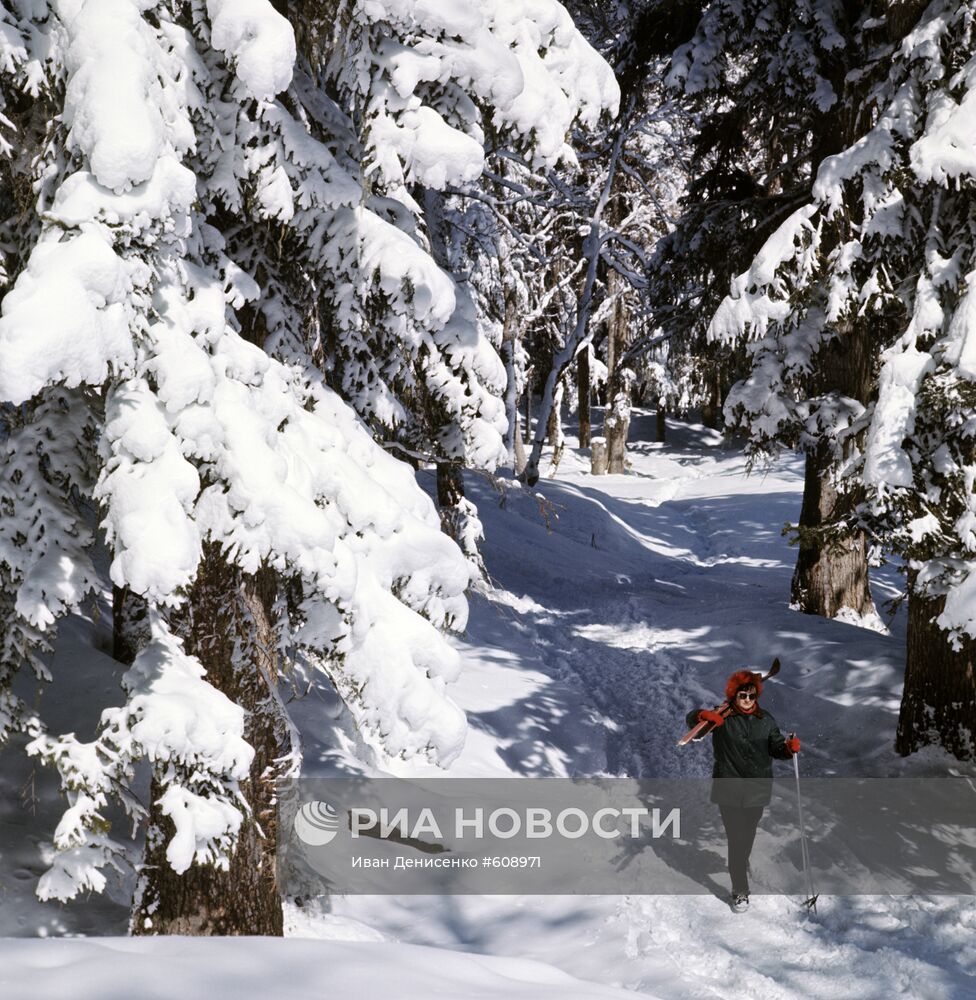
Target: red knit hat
x,y
740,679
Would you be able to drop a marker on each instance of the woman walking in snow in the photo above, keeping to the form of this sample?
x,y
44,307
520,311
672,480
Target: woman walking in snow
x,y
744,742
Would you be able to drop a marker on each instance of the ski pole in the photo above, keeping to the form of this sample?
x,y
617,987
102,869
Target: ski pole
x,y
811,902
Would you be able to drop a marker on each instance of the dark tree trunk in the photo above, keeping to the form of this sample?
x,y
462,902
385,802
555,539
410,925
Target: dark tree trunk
x,y
938,704
583,395
554,426
831,570
831,566
230,630
459,519
711,412
450,492
450,485
661,424
130,624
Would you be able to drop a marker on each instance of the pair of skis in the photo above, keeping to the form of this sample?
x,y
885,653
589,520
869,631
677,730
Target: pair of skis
x,y
704,727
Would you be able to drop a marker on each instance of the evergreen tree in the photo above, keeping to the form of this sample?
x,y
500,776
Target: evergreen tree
x,y
216,244
775,89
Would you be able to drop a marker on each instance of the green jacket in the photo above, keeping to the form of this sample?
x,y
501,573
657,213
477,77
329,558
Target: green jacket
x,y
744,748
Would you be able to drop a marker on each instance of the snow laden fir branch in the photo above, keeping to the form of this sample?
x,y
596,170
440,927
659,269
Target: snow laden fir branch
x,y
219,282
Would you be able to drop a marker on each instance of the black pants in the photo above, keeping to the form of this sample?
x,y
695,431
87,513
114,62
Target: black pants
x,y
740,830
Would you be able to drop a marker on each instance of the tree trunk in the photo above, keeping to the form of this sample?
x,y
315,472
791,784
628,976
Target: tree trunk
x,y
450,485
450,493
616,428
661,424
555,429
230,631
831,568
459,517
509,333
711,412
519,447
583,395
616,420
938,704
130,624
598,456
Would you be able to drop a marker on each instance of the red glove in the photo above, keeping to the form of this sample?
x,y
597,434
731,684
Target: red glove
x,y
793,745
707,715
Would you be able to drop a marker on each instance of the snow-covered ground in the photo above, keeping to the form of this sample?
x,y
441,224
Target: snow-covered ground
x,y
215,969
598,634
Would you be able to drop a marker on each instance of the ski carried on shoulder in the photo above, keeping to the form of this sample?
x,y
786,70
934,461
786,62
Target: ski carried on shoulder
x,y
704,727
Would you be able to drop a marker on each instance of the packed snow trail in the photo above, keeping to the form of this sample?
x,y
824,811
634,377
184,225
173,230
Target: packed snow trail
x,y
652,588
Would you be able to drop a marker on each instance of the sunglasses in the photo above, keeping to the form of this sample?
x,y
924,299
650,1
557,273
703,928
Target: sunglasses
x,y
747,695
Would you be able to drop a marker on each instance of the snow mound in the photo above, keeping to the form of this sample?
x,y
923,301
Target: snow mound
x,y
253,968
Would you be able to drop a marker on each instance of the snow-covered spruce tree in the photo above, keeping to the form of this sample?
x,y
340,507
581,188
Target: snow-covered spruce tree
x,y
888,241
432,91
194,248
426,88
912,181
775,88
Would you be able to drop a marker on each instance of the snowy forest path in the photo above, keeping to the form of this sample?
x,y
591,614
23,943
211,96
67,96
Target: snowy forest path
x,y
646,618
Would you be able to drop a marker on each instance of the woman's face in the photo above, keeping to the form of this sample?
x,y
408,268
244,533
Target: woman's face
x,y
745,698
